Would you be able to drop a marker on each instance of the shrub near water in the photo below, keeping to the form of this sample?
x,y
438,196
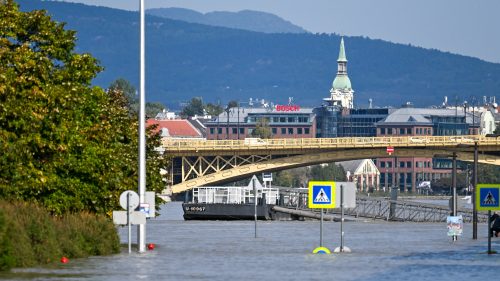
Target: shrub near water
x,y
30,236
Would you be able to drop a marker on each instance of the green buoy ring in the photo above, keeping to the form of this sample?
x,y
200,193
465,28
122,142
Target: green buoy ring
x,y
321,250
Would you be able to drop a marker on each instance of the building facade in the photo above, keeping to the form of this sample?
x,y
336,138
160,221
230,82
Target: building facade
x,y
364,173
282,121
406,173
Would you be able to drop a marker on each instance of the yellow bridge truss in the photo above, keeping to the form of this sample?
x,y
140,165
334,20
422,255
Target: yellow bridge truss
x,y
204,162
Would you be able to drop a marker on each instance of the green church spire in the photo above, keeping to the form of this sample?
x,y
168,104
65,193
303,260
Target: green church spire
x,y
342,51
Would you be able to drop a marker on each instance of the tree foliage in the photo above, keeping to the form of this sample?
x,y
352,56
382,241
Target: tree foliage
x,y
262,129
130,93
194,107
64,143
299,177
497,130
214,109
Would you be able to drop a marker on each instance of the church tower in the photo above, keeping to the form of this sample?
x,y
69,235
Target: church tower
x,y
341,93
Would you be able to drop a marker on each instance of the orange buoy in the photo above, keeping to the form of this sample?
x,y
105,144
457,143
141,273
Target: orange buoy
x,y
64,260
151,246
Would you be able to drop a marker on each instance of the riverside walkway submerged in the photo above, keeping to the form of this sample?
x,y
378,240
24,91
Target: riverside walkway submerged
x,y
227,250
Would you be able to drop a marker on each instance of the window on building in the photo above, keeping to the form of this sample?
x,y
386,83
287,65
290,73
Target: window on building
x,y
274,131
219,130
389,131
242,131
401,164
290,131
402,131
234,131
382,131
276,119
212,131
306,131
382,164
283,131
389,164
282,119
291,119
408,164
408,131
299,131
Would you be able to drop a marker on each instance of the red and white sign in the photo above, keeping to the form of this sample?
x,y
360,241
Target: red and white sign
x,y
390,150
280,107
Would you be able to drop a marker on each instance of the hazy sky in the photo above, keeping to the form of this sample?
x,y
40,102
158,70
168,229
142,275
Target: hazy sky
x,y
467,27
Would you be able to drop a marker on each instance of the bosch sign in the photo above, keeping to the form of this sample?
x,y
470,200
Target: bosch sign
x,y
287,107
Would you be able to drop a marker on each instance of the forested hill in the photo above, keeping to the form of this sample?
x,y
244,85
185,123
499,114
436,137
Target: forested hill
x,y
186,60
246,19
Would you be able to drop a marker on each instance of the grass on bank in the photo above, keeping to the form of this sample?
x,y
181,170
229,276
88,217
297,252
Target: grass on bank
x,y
30,236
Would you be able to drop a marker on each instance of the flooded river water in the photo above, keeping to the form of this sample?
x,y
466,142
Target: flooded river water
x,y
221,250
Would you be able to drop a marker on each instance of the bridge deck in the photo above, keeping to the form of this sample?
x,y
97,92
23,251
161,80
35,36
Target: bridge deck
x,y
186,147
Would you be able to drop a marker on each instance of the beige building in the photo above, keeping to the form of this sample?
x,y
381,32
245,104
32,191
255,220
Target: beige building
x,y
363,173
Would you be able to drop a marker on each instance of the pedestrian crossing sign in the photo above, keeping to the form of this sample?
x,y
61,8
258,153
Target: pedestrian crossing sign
x,y
321,194
488,197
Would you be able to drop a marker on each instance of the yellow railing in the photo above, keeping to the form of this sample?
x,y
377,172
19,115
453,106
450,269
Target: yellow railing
x,y
173,146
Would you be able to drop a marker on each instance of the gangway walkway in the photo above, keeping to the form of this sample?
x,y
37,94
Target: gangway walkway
x,y
380,208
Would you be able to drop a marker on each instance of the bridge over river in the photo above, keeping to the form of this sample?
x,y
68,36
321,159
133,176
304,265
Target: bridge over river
x,y
211,162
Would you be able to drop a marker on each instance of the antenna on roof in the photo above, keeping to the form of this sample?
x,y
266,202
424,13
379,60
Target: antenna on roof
x,y
445,102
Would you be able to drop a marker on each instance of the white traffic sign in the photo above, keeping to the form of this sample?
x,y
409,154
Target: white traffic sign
x,y
133,200
136,217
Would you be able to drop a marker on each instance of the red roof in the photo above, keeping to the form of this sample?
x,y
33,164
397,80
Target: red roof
x,y
175,128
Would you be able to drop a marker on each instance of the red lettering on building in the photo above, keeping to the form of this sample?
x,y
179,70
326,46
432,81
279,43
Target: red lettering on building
x,y
287,107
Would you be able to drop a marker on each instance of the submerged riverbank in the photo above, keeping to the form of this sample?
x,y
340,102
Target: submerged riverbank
x,y
227,250
30,236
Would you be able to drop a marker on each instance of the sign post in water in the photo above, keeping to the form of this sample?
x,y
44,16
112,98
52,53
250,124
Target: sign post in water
x,y
321,196
488,199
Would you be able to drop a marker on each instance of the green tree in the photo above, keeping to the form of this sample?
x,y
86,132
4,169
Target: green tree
x,y
153,108
65,144
232,104
194,107
328,172
213,109
262,129
128,91
497,130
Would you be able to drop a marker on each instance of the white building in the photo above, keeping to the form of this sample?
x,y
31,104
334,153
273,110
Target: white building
x,y
364,173
341,93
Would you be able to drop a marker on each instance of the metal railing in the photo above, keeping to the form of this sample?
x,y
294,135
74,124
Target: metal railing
x,y
385,209
172,146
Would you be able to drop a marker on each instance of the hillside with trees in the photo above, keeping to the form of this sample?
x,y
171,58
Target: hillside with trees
x,y
186,60
246,20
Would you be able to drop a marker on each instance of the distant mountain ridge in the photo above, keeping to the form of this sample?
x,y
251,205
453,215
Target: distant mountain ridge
x,y
245,20
185,60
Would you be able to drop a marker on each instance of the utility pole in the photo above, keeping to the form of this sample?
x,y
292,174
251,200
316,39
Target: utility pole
x,y
454,183
141,229
473,196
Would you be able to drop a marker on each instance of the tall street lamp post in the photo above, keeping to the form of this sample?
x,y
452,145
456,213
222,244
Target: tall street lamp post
x,y
141,231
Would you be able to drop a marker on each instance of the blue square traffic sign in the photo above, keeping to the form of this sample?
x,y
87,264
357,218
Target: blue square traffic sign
x,y
321,194
488,197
